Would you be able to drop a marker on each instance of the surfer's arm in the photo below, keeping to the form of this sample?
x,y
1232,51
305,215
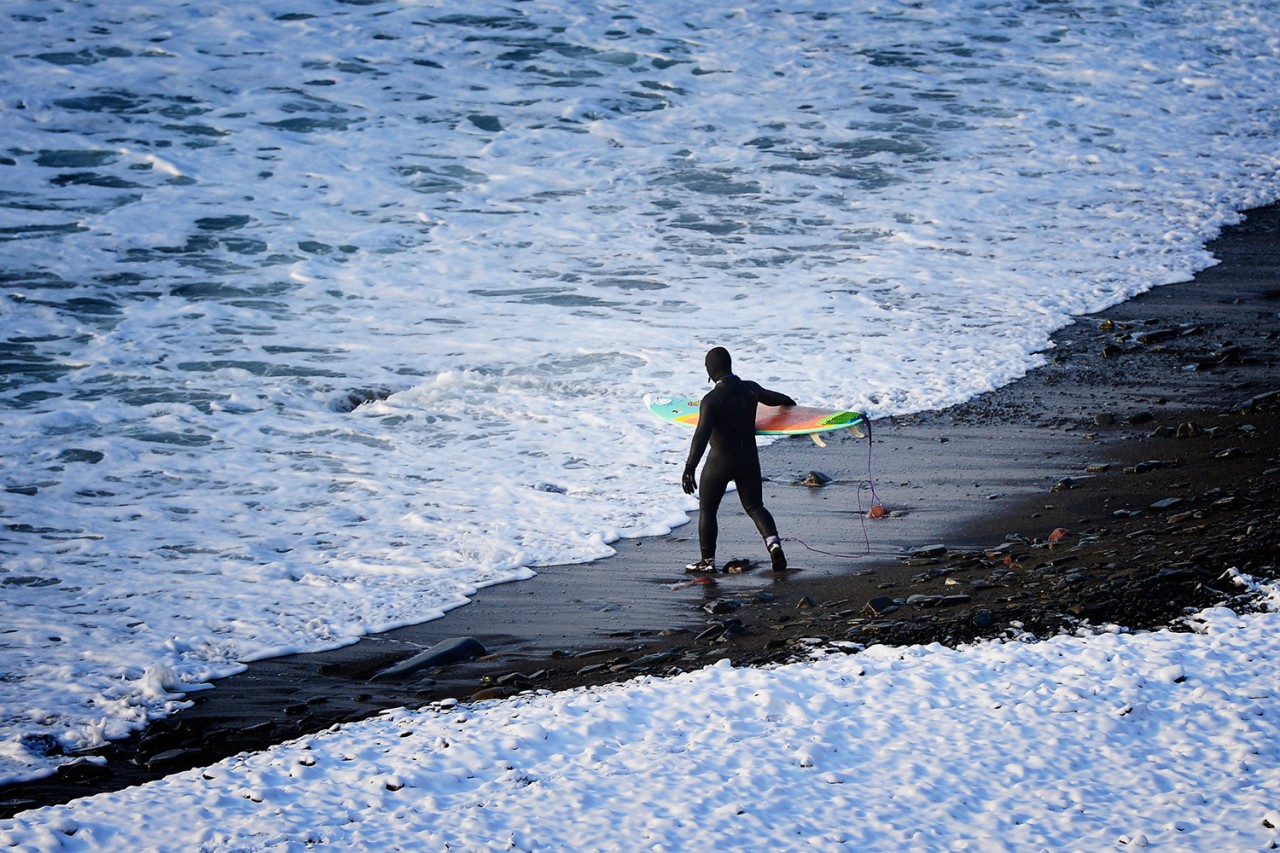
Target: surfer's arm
x,y
774,398
698,446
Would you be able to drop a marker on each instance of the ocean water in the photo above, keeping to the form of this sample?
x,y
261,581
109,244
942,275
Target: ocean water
x,y
316,317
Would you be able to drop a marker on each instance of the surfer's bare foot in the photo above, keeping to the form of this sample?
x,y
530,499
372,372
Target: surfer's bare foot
x,y
777,558
706,564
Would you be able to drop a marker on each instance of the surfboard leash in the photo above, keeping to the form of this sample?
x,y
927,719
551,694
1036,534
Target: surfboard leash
x,y
868,484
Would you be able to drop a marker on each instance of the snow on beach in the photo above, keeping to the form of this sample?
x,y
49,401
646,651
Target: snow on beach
x,y
222,225
1168,740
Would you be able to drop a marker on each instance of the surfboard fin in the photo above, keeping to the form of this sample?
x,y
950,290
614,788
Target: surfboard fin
x,y
857,433
817,439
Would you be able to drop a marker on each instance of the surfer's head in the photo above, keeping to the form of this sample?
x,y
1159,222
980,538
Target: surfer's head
x,y
719,364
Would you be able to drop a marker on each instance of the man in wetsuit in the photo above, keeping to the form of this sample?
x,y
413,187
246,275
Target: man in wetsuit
x,y
726,421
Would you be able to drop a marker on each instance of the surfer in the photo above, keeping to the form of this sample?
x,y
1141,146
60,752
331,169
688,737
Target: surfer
x,y
726,422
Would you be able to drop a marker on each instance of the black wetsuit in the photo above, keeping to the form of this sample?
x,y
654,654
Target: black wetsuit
x,y
726,421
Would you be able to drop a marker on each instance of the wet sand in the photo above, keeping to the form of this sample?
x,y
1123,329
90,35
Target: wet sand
x,y
1079,493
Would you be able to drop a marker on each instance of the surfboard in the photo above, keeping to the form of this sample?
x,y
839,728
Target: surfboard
x,y
770,420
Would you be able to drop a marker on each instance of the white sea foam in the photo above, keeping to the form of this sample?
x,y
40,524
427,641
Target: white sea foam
x,y
503,225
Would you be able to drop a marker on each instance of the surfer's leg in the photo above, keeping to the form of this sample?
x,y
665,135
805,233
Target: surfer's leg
x,y
711,491
751,491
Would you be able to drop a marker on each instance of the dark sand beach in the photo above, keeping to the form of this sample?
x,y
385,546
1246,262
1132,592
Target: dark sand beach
x,y
1120,483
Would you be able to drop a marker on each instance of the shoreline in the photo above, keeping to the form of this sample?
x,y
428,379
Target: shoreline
x,y
1087,444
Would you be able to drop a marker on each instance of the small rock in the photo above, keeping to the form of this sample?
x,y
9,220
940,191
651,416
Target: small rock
x,y
1138,418
173,758
1063,485
714,632
452,651
1167,503
929,551
720,605
1189,429
881,605
816,478
1156,336
83,770
1260,401
657,658
1112,350
1104,419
